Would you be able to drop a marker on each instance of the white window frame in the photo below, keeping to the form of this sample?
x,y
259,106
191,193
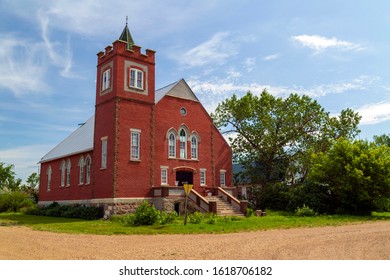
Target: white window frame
x,y
135,144
136,78
194,147
81,170
202,177
106,79
183,143
103,164
63,172
172,145
68,170
222,178
49,173
88,164
164,175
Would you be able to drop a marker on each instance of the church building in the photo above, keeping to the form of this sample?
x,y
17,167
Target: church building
x,y
141,144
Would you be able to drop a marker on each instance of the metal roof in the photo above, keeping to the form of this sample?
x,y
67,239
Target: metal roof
x,y
81,140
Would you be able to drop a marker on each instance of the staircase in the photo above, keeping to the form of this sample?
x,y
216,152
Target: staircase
x,y
224,208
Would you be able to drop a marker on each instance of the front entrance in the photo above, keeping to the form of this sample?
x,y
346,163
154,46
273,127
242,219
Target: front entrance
x,y
184,177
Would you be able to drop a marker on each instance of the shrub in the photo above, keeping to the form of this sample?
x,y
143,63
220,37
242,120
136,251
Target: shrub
x,y
14,202
195,218
167,217
211,219
146,215
67,211
305,211
249,212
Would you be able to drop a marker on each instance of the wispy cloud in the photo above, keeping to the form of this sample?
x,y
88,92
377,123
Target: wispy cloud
x,y
374,113
249,64
216,50
62,59
21,68
319,43
271,57
218,89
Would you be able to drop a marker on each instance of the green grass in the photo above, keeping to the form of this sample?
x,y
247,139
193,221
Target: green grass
x,y
274,220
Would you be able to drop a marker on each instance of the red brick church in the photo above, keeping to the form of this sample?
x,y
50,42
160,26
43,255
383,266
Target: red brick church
x,y
141,144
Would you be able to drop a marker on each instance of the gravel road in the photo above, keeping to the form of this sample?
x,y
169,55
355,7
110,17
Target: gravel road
x,y
366,241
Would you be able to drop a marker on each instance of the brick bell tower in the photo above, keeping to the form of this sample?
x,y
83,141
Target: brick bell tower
x,y
124,121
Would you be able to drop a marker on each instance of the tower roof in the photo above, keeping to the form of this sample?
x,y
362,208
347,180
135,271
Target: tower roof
x,y
126,37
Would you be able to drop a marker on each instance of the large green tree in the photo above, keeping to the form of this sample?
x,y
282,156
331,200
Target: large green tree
x,y
357,174
278,136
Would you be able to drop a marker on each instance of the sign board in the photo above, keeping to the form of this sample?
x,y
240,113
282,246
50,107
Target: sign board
x,y
188,188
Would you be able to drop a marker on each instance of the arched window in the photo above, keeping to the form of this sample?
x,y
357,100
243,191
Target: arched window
x,y
88,163
183,143
48,173
63,172
172,145
194,147
68,166
81,169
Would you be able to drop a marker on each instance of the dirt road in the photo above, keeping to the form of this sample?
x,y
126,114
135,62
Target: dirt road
x,y
360,241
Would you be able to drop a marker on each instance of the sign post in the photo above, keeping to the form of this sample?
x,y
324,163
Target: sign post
x,y
187,190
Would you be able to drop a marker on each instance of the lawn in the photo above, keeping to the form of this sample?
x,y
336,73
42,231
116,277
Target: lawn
x,y
273,220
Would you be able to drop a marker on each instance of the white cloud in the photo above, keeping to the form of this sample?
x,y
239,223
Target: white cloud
x,y
217,90
24,158
61,58
271,57
249,64
374,113
319,43
214,51
21,67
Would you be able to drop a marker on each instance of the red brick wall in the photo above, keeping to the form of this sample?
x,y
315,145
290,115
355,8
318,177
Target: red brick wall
x,y
72,192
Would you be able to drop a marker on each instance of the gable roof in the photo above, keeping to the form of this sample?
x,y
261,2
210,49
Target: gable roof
x,y
81,140
179,89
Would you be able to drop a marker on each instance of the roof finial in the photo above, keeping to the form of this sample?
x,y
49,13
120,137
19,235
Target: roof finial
x,y
127,19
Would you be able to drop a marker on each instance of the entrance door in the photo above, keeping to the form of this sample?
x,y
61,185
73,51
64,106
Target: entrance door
x,y
184,177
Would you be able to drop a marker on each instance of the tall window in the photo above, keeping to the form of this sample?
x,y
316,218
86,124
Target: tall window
x,y
63,172
104,153
202,177
135,144
194,147
81,170
164,175
183,144
136,78
68,166
88,170
106,79
48,173
222,178
172,145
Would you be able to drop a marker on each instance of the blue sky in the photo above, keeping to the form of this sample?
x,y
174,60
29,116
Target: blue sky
x,y
337,52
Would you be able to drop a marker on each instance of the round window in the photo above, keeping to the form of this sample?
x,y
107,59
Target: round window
x,y
183,111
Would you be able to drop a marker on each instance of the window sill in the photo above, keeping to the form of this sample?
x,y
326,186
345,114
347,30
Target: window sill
x,y
135,160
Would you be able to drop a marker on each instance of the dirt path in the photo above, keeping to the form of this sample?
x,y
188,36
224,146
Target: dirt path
x,y
361,241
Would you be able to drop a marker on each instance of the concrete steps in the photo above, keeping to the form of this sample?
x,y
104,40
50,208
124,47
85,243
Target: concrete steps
x,y
223,207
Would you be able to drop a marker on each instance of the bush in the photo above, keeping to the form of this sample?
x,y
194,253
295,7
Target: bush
x,y
305,211
249,212
196,218
67,211
15,201
167,217
146,215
